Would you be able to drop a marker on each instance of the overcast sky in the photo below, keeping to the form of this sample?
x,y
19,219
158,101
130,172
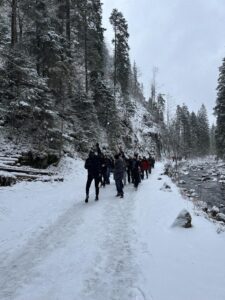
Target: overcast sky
x,y
184,39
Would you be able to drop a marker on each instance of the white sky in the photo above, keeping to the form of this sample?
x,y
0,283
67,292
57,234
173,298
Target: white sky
x,y
184,39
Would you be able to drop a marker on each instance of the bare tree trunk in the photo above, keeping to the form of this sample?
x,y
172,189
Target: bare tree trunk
x,y
20,26
13,23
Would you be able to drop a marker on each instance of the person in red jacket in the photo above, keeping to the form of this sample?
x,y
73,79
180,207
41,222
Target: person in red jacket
x,y
144,167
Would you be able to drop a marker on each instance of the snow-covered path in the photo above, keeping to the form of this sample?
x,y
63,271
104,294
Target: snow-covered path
x,y
54,246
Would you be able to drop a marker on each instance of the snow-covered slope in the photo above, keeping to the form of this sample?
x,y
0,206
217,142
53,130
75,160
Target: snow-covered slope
x,y
54,246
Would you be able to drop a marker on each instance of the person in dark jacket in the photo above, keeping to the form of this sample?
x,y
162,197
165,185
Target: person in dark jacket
x,y
136,170
93,166
150,164
118,175
129,169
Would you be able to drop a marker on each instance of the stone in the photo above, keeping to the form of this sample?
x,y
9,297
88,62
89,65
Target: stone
x,y
7,179
220,217
182,182
214,211
165,187
183,220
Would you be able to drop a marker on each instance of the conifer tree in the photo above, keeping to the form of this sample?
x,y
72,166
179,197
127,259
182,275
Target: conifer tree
x,y
203,131
212,140
220,112
121,51
194,148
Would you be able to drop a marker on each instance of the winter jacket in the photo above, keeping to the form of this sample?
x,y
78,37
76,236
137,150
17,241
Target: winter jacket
x,y
118,169
144,165
93,165
135,166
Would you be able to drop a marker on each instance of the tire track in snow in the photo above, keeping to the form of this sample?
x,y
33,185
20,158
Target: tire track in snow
x,y
20,269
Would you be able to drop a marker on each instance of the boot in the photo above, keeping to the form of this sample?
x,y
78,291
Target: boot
x,y
86,199
96,198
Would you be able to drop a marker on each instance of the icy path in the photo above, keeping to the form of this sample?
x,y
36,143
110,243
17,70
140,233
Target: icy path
x,y
53,246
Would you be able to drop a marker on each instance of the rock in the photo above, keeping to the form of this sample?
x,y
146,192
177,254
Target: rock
x,y
40,160
214,211
182,182
220,217
7,179
183,220
165,187
206,178
204,207
195,195
159,178
222,181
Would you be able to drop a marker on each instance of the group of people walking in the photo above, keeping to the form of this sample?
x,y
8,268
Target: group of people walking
x,y
131,169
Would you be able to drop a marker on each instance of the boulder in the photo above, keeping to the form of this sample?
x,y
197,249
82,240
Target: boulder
x,y
220,217
214,211
182,182
183,220
7,179
165,187
40,160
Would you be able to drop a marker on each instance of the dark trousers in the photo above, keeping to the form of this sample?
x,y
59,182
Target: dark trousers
x,y
104,175
119,186
129,175
136,179
146,172
143,174
89,181
108,176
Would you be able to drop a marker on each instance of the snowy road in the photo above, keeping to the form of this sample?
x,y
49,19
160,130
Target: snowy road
x,y
53,246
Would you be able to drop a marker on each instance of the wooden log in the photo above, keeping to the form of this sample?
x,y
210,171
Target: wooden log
x,y
27,177
8,159
30,171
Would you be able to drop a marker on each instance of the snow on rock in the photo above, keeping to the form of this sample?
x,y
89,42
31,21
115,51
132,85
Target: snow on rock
x,y
182,182
220,217
214,211
24,104
183,219
7,179
165,187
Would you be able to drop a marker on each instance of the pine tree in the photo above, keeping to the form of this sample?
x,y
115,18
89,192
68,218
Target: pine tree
x,y
212,140
194,148
220,112
90,36
203,130
121,51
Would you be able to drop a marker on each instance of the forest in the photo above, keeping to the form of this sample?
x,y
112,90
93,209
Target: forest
x,y
62,90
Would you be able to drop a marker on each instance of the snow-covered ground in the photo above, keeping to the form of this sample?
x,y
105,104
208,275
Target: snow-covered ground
x,y
53,246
